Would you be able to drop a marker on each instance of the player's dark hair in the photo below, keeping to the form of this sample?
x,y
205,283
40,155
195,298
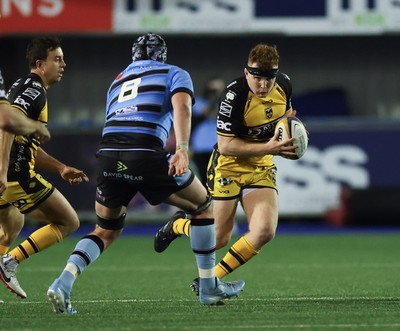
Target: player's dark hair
x,y
39,48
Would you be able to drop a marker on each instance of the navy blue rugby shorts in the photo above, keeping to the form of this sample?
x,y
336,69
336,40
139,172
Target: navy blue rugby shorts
x,y
121,175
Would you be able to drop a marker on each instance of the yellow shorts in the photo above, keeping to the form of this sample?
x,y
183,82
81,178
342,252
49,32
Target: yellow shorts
x,y
227,177
26,195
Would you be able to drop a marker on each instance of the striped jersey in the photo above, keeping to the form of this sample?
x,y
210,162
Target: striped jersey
x,y
139,109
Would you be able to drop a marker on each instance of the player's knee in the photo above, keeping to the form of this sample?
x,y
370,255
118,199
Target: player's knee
x,y
8,236
267,235
67,221
72,225
76,224
12,230
222,240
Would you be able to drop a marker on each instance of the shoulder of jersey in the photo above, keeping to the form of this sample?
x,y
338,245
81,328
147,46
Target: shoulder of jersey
x,y
292,127
22,85
236,86
37,85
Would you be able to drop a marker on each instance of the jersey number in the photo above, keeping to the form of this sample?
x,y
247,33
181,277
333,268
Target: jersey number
x,y
129,90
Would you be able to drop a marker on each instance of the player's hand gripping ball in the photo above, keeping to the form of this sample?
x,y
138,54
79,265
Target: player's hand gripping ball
x,y
292,127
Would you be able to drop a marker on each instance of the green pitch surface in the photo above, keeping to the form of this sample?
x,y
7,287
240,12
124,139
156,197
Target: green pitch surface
x,y
298,282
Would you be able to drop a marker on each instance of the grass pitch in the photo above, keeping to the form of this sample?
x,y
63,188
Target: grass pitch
x,y
298,282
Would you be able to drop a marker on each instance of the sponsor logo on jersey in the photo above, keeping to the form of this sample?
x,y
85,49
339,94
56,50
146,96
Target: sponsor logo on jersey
x,y
121,166
22,102
224,181
272,173
16,83
31,93
224,125
36,84
268,112
127,177
230,96
225,109
126,110
99,195
129,118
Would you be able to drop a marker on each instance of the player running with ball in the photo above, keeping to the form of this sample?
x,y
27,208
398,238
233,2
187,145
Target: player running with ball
x,y
241,167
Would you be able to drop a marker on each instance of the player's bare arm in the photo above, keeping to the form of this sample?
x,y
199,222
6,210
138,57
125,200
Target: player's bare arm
x,y
14,121
69,174
40,132
6,140
234,146
182,104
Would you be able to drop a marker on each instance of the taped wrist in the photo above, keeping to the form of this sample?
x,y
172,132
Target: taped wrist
x,y
183,145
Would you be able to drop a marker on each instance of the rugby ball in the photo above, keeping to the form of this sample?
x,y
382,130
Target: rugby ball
x,y
291,127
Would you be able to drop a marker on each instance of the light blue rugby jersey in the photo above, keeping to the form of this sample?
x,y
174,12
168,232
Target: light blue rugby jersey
x,y
139,99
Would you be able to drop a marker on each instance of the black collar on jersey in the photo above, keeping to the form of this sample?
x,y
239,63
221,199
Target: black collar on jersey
x,y
270,73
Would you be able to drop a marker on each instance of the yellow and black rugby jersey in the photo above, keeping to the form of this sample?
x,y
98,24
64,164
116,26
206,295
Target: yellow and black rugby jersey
x,y
2,90
246,116
29,96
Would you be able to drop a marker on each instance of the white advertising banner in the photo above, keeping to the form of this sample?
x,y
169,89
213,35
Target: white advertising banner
x,y
291,17
313,184
288,17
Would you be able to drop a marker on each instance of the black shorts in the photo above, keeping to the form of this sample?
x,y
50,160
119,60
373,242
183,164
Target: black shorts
x,y
121,175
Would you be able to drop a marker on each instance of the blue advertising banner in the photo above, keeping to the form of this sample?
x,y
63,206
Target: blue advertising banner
x,y
290,8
